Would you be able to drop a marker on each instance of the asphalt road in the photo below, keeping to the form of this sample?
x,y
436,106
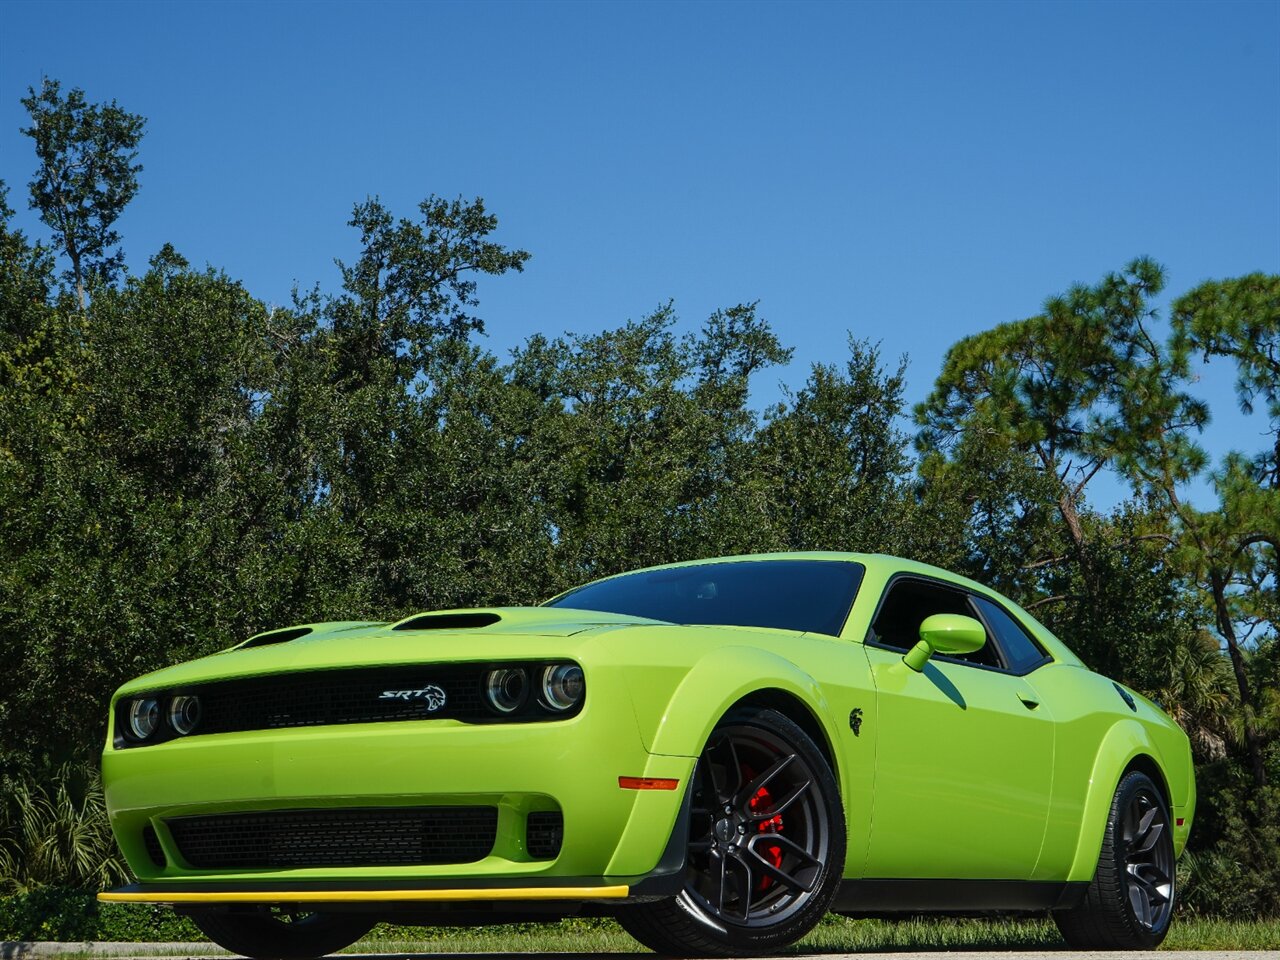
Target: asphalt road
x,y
883,955
116,951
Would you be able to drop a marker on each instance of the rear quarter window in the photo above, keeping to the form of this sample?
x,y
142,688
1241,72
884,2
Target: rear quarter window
x,y
1020,650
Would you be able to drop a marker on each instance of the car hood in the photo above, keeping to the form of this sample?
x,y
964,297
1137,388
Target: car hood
x,y
489,633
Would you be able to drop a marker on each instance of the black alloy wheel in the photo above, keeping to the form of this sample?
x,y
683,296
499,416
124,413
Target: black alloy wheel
x,y
281,932
1148,857
766,844
1129,903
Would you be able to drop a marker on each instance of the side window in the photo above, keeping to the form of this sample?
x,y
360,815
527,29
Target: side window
x,y
1020,650
907,605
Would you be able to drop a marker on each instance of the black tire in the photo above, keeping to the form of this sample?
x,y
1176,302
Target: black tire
x,y
276,933
1129,903
766,845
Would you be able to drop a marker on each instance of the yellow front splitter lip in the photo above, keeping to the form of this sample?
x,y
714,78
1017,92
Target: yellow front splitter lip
x,y
365,896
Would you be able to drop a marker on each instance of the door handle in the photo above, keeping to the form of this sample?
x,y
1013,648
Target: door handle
x,y
1028,700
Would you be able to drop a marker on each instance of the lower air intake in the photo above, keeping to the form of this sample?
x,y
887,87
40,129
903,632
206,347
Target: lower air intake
x,y
152,843
366,837
544,832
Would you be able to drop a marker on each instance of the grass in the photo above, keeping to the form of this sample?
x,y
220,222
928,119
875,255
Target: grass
x,y
833,935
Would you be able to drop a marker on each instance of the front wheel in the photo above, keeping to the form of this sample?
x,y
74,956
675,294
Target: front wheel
x,y
278,933
766,845
1129,903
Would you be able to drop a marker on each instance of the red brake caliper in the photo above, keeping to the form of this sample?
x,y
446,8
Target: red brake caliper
x,y
759,803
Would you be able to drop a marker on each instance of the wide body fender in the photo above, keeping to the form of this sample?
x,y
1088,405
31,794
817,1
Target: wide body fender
x,y
718,681
680,723
1124,743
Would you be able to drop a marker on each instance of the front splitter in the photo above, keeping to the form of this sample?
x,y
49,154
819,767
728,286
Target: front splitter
x,y
139,893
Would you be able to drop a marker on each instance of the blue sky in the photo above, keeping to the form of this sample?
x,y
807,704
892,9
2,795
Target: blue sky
x,y
910,172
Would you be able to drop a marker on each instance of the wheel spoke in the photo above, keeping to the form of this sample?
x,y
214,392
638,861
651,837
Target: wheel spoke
x,y
1141,905
718,867
743,882
789,880
1149,838
723,756
706,781
1129,823
1154,886
763,780
779,806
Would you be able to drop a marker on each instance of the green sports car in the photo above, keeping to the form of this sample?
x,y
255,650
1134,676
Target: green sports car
x,y
717,753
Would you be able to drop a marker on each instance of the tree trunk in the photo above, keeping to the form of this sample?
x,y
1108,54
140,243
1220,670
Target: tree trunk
x,y
1071,516
74,255
1226,627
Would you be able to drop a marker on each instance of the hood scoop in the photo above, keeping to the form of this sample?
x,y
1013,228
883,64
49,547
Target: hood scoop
x,y
449,621
514,621
274,636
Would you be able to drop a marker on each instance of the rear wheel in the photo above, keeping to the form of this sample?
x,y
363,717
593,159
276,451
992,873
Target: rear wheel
x,y
280,933
1129,903
766,845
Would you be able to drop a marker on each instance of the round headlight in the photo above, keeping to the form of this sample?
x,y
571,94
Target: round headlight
x,y
184,714
144,717
506,689
563,686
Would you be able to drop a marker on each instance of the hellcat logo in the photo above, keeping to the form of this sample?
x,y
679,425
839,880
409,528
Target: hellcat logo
x,y
855,721
431,694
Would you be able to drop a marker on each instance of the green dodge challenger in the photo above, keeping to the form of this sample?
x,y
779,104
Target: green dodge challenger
x,y
717,753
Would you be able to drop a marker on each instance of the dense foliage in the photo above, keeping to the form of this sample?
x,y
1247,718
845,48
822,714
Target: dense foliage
x,y
182,465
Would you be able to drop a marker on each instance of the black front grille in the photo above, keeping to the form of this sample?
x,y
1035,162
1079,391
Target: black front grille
x,y
544,832
342,696
366,837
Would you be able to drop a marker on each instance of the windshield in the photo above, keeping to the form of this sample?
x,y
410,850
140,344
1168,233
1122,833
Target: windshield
x,y
813,596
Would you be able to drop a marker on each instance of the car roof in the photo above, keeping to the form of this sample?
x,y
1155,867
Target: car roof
x,y
869,560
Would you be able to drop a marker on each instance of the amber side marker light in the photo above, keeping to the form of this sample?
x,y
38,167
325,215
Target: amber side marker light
x,y
647,783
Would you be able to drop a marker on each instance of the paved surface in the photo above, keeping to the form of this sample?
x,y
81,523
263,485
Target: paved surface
x,y
10,950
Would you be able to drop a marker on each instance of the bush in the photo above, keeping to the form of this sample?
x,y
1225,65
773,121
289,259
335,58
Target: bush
x,y
54,832
60,913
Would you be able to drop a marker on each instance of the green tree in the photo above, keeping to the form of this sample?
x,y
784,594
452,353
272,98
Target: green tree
x,y
145,524
1079,388
1233,549
87,176
648,432
834,461
410,292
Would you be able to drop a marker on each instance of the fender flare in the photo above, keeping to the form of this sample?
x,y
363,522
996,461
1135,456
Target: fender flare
x,y
721,679
1125,741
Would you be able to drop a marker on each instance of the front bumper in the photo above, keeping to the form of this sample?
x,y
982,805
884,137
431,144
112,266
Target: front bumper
x,y
613,837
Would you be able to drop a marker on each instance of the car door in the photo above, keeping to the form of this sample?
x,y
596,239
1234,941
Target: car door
x,y
964,749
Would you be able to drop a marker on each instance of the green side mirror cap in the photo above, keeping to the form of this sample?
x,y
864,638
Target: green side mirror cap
x,y
945,633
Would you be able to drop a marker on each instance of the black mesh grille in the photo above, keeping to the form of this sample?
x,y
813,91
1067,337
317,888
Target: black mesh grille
x,y
383,837
152,843
544,832
341,696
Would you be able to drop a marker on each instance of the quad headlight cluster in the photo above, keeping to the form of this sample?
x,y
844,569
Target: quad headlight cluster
x,y
558,688
154,718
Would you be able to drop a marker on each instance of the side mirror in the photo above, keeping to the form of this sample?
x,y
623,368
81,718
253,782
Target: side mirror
x,y
945,633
